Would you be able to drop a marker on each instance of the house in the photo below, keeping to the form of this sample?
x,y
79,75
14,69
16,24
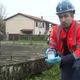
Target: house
x,y
26,24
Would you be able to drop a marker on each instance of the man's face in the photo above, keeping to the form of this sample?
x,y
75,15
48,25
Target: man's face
x,y
66,19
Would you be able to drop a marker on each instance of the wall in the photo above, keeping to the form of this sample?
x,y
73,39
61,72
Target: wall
x,y
17,23
21,70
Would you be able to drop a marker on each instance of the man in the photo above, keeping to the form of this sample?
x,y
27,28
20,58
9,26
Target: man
x,y
65,40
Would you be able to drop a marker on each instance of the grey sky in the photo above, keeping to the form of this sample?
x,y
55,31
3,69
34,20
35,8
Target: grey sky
x,y
45,8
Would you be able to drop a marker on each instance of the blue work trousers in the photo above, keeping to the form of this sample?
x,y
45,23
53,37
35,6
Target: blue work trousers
x,y
71,71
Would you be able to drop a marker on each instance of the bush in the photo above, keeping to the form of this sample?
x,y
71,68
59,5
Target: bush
x,y
34,37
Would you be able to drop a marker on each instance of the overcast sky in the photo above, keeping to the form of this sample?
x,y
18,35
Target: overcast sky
x,y
45,8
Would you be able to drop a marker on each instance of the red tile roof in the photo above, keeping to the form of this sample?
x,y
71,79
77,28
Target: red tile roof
x,y
29,16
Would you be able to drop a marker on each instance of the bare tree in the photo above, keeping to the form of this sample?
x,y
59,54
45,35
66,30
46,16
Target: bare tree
x,y
2,24
2,16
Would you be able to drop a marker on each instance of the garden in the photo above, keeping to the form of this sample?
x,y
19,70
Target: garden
x,y
15,52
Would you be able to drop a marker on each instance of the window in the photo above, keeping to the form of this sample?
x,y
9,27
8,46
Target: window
x,y
43,25
36,24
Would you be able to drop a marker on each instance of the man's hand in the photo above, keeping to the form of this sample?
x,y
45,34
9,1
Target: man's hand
x,y
52,56
54,60
50,51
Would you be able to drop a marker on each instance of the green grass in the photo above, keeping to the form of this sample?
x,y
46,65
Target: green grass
x,y
50,74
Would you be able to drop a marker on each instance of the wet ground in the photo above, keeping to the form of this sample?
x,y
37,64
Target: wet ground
x,y
15,53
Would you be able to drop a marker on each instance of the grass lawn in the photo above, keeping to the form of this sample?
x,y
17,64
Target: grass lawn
x,y
50,74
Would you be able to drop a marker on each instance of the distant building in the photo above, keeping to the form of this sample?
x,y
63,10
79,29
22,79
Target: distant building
x,y
78,21
26,24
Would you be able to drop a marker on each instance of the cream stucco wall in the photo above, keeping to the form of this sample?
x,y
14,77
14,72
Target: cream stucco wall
x,y
17,23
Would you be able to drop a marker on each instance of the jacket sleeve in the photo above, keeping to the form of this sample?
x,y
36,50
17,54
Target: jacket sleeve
x,y
53,37
76,53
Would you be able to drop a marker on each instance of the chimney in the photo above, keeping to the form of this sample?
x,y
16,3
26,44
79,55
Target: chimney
x,y
41,17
